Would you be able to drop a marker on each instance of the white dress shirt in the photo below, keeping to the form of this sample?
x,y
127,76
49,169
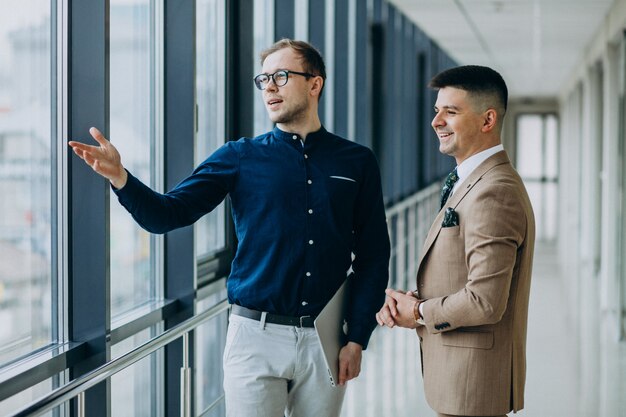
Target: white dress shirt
x,y
470,164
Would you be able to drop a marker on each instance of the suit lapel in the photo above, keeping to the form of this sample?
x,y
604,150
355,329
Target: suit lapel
x,y
489,163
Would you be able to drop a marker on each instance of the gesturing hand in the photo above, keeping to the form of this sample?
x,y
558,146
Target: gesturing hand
x,y
104,159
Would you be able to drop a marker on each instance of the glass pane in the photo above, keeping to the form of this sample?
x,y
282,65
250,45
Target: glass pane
x,y
131,130
26,212
529,146
134,389
263,38
209,347
26,397
210,59
551,146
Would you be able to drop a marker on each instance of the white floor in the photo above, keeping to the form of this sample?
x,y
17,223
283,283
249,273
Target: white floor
x,y
572,372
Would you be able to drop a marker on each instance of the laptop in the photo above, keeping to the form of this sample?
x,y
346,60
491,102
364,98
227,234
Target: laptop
x,y
329,326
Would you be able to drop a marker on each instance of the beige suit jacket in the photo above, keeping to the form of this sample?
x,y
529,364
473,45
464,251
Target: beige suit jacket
x,y
476,279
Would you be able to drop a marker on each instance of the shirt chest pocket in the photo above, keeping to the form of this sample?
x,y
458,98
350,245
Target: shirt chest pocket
x,y
341,194
341,188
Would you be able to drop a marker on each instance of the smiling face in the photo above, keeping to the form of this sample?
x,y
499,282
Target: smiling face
x,y
458,124
294,102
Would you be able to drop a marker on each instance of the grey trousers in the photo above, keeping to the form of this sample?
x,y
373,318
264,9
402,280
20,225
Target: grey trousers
x,y
272,370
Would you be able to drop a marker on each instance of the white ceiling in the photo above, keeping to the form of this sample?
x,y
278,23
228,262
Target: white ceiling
x,y
534,44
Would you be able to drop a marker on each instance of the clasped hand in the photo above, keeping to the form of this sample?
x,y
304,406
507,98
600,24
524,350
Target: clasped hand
x,y
398,309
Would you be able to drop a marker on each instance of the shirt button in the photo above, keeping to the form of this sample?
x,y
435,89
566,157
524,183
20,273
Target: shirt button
x,y
310,242
309,182
304,303
306,156
294,137
308,274
310,211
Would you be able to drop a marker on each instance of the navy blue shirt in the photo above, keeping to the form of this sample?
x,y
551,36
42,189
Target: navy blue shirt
x,y
300,212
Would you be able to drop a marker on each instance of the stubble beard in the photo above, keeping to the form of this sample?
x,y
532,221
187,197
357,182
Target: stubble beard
x,y
447,148
295,114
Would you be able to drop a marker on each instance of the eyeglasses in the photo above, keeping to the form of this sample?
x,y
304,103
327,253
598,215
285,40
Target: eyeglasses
x,y
280,78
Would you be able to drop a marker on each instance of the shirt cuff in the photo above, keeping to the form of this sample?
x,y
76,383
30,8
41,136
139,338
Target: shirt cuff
x,y
359,335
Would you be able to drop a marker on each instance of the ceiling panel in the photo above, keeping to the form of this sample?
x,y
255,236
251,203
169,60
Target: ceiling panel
x,y
535,44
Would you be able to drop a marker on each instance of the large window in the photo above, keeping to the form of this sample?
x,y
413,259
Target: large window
x,y
537,145
26,163
133,127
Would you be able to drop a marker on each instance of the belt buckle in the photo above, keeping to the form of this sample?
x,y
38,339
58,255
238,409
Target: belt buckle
x,y
303,317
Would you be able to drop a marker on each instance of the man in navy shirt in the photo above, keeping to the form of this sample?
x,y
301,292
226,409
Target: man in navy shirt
x,y
307,206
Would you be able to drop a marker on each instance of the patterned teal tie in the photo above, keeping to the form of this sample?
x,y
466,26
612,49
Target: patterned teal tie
x,y
448,185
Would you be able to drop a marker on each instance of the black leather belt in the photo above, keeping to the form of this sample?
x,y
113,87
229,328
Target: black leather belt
x,y
303,321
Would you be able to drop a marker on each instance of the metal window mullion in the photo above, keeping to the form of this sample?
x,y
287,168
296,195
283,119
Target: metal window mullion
x,y
179,135
157,140
157,102
88,193
60,202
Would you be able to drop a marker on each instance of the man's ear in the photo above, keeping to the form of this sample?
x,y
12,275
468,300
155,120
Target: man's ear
x,y
316,87
490,119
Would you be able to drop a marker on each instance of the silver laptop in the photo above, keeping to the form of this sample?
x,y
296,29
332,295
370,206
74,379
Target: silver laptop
x,y
330,331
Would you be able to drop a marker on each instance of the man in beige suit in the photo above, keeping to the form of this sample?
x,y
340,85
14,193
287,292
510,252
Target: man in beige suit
x,y
470,308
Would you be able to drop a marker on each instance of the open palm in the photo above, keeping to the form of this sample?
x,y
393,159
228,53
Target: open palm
x,y
104,158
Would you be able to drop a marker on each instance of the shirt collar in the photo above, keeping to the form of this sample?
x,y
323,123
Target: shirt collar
x,y
290,136
470,164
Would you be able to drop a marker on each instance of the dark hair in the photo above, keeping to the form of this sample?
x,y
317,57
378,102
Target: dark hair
x,y
473,79
312,60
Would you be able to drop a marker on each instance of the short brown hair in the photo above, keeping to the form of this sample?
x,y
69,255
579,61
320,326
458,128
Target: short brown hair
x,y
476,80
312,60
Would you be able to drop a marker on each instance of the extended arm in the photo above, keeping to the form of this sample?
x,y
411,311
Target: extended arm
x,y
193,197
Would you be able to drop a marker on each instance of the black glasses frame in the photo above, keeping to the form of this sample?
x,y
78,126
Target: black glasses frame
x,y
262,83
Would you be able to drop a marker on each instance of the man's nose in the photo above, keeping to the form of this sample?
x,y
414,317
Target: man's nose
x,y
271,85
437,121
